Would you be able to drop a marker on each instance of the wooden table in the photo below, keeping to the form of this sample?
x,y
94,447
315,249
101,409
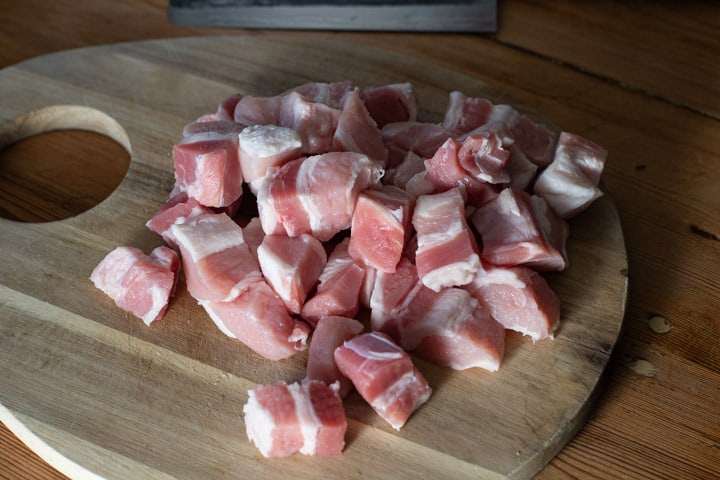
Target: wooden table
x,y
642,79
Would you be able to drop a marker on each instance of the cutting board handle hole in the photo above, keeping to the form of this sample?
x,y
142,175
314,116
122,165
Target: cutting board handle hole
x,y
60,161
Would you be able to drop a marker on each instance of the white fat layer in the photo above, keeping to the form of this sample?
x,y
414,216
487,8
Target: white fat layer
x,y
309,422
453,274
159,299
108,275
450,231
395,354
207,234
262,141
208,306
259,424
265,202
498,276
304,180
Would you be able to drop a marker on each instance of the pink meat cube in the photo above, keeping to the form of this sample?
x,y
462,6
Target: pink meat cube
x,y
357,131
263,147
465,113
178,209
391,103
384,375
138,283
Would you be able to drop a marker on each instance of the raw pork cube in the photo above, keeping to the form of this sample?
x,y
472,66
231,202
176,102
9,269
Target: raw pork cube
x,y
391,103
338,292
446,254
465,113
207,168
330,332
519,299
253,234
448,327
331,94
511,233
536,141
258,318
421,138
315,195
476,164
569,183
263,147
400,175
384,375
178,209
257,110
218,264
381,226
307,417
138,283
314,122
292,266
357,131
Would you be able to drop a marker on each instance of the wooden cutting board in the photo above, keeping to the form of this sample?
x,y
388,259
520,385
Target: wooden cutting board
x,y
97,393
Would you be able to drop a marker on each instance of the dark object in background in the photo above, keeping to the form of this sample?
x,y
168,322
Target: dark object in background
x,y
403,15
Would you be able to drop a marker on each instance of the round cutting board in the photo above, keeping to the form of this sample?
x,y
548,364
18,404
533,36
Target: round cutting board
x,y
97,393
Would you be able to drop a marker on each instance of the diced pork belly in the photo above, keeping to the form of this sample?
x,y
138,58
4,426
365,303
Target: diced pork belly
x,y
307,417
401,174
450,328
357,131
447,254
265,146
569,183
221,127
258,110
253,234
208,169
381,227
421,138
330,332
338,291
314,122
536,141
218,264
315,195
257,317
331,94
512,235
391,103
138,283
384,375
477,163
521,170
519,298
178,209
292,266
391,294
465,113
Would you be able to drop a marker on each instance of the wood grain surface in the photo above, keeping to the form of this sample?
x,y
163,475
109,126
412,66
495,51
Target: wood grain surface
x,y
95,391
641,78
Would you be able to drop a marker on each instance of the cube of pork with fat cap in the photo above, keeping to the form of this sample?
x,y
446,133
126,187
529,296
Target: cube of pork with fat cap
x,y
308,417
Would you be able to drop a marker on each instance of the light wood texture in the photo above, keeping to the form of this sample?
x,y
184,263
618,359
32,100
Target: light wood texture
x,y
122,394
640,78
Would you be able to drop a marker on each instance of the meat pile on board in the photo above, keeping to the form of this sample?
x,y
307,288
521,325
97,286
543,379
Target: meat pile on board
x,y
441,231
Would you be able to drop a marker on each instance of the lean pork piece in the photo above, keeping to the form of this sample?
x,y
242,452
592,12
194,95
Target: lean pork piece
x,y
307,417
448,327
217,261
400,175
138,283
292,266
208,169
258,110
391,103
265,146
357,131
477,164
384,375
315,195
421,138
257,317
447,254
536,141
314,122
519,298
570,182
253,234
512,233
338,291
329,333
178,209
381,227
464,113
331,94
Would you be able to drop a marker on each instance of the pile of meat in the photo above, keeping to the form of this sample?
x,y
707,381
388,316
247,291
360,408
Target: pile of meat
x,y
439,232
